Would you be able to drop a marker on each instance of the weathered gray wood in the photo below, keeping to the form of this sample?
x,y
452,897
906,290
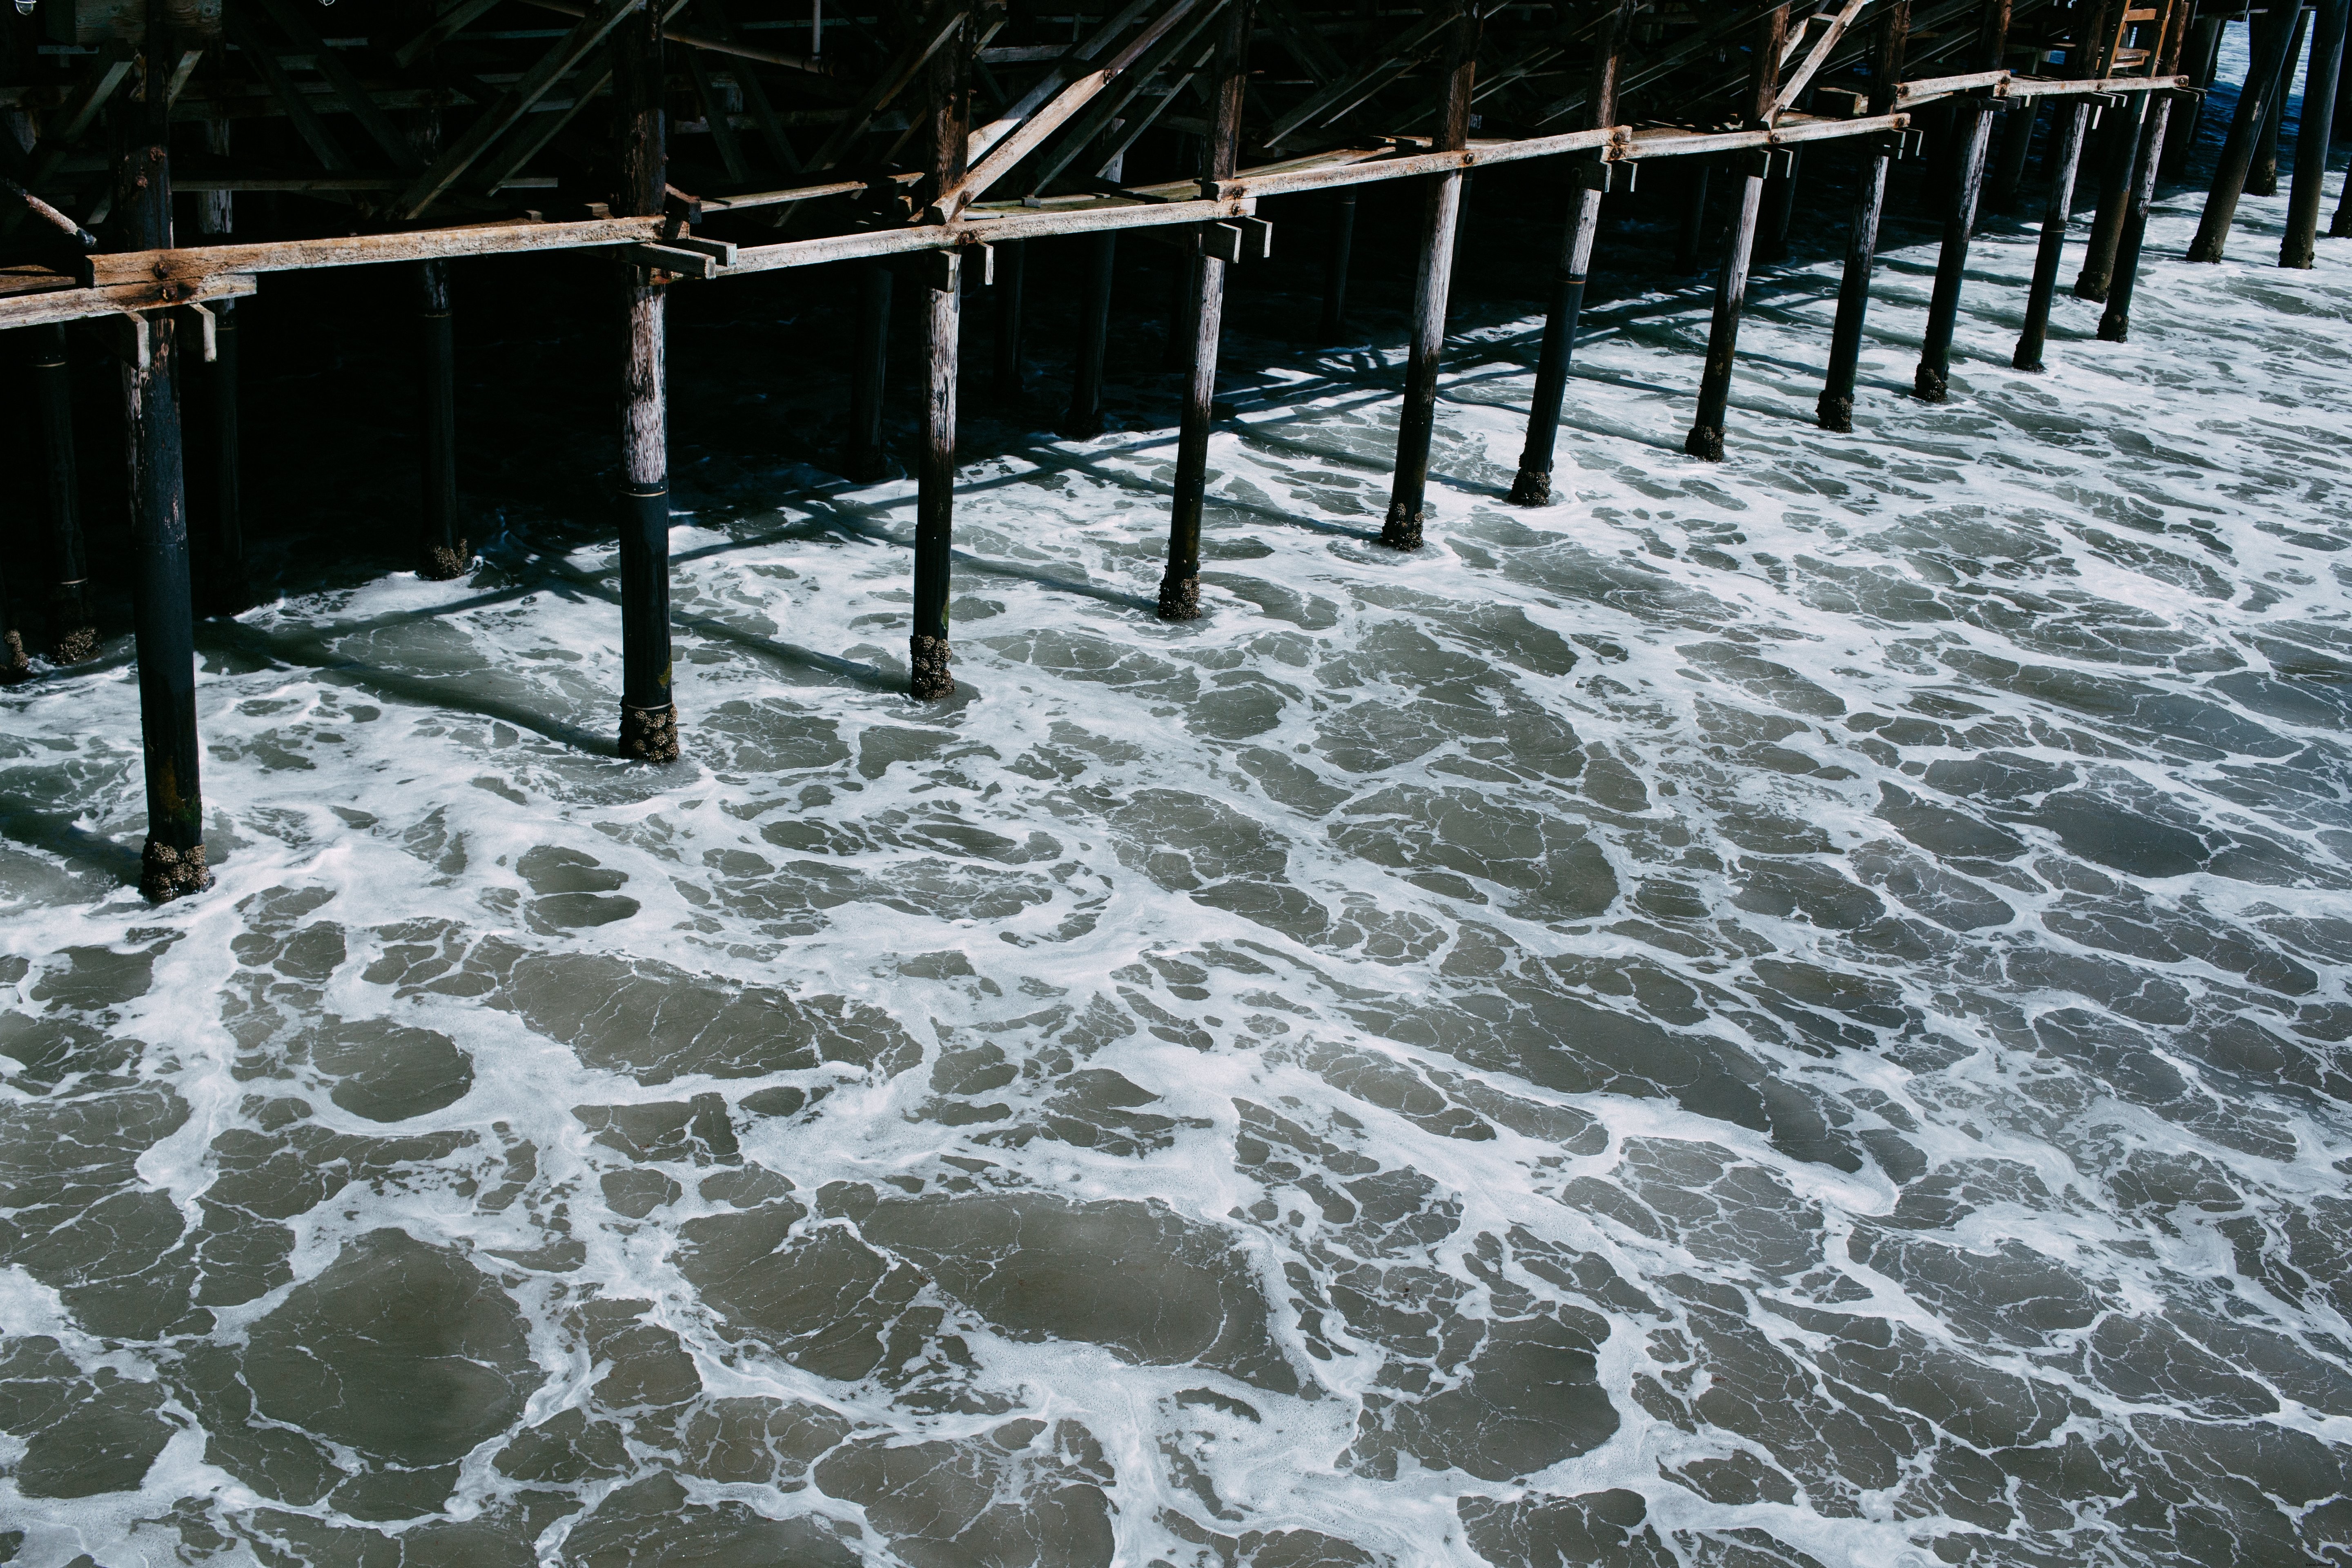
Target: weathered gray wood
x,y
1417,421
1706,438
640,164
2055,214
1179,584
1834,409
1931,381
949,115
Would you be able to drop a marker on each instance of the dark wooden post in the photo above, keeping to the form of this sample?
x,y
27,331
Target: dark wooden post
x,y
870,359
2204,62
1340,243
1780,207
228,587
2312,136
1705,437
441,550
2114,323
2273,30
2262,180
2008,169
1180,586
162,614
648,713
950,116
2116,155
1012,261
1835,409
72,629
2075,117
1084,420
1588,179
13,666
1417,419
1973,132
1690,238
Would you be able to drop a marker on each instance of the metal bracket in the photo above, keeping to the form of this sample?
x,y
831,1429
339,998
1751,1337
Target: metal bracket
x,y
1257,237
209,325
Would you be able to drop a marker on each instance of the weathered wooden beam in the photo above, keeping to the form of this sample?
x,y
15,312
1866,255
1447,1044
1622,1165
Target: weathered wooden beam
x,y
2114,323
2300,245
980,228
1834,411
513,105
1792,87
640,188
2273,30
1169,47
1532,485
1417,421
1179,584
2056,212
950,131
1066,65
504,237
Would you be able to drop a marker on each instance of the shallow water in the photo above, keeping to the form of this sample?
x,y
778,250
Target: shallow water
x,y
1773,1013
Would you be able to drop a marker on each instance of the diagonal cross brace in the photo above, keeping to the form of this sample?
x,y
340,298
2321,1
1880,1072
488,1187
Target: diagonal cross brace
x,y
1802,76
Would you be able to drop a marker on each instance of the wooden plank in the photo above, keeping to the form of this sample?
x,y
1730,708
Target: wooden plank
x,y
44,307
507,238
1802,78
2060,87
1088,132
982,230
494,121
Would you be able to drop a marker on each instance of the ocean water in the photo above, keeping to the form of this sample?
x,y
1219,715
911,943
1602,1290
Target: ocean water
x,y
1787,1013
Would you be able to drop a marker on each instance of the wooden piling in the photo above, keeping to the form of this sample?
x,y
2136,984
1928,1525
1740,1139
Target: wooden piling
x,y
228,585
72,629
1834,411
2056,212
2273,32
866,462
1779,209
1972,130
2009,168
1338,244
163,613
1417,422
1084,421
1588,180
950,116
2114,323
648,711
1179,585
1012,262
2263,178
441,550
1706,438
1690,237
2116,157
2204,56
13,666
2300,247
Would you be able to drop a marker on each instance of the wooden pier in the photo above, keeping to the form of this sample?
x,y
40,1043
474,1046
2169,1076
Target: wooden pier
x,y
692,141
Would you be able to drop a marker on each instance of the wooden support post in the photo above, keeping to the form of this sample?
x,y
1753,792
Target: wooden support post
x,y
1418,420
442,549
1179,585
870,360
13,666
1340,243
2273,30
2115,156
1972,131
72,628
1706,438
950,72
2009,168
1588,179
2262,180
2312,137
1084,420
1183,278
2075,117
2204,60
2115,324
1835,409
229,587
1690,239
1780,207
648,711
163,613
1012,262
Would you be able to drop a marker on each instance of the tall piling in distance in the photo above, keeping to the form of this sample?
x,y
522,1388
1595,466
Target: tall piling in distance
x,y
2204,60
228,582
2263,176
1973,132
71,628
2273,30
1589,179
1179,585
1834,411
648,711
1011,263
2300,247
1417,422
1779,209
2009,165
1706,438
949,111
1338,248
162,615
442,548
1690,234
2114,323
866,462
2056,210
1084,419
2116,157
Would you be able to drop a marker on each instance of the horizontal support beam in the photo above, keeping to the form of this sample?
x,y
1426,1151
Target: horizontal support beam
x,y
2009,84
364,249
982,229
46,307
